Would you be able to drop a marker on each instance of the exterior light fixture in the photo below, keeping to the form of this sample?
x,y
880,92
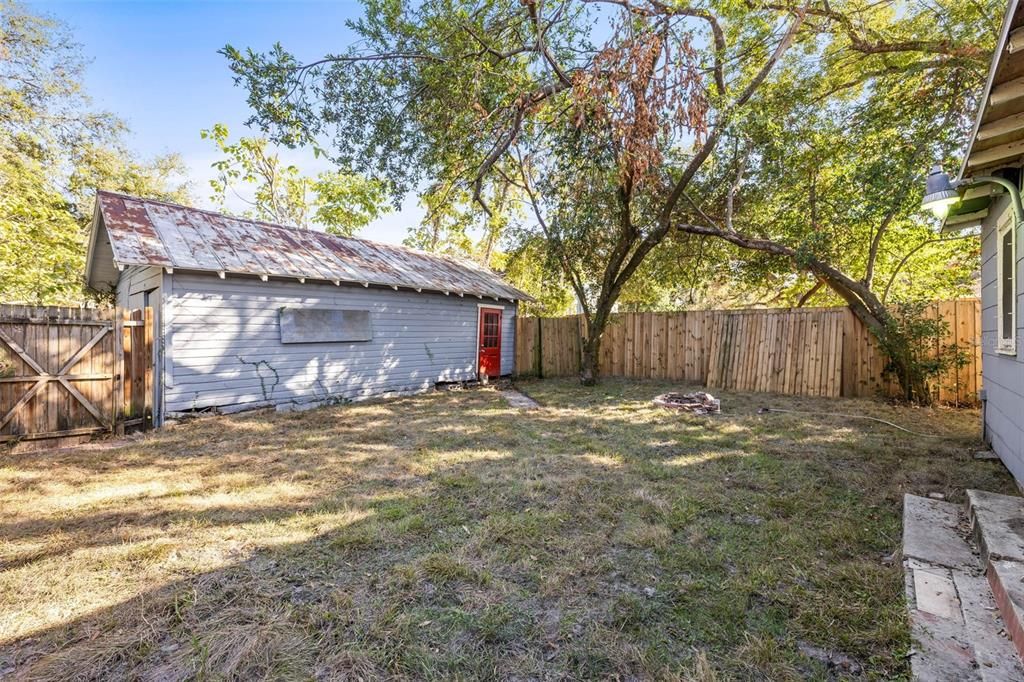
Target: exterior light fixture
x,y
941,192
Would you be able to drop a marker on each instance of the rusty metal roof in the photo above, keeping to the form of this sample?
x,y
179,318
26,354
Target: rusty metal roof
x,y
149,232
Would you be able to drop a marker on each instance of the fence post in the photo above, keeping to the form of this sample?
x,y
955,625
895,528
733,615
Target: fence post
x,y
538,352
147,412
117,395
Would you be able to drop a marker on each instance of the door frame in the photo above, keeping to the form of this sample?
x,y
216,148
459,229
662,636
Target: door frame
x,y
481,308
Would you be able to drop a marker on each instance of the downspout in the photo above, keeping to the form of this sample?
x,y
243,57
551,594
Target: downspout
x,y
983,396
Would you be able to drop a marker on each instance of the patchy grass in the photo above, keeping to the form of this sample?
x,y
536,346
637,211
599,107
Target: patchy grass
x,y
447,535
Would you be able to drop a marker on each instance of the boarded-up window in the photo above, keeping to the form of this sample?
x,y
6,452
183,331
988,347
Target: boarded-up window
x,y
321,325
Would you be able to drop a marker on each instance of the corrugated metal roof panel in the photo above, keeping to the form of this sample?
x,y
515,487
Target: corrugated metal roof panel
x,y
148,232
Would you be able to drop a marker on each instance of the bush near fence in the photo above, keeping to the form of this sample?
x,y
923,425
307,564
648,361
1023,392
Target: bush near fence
x,y
797,351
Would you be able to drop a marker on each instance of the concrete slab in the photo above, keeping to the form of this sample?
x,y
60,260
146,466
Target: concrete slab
x,y
935,593
958,632
519,400
994,653
1006,578
998,524
941,650
931,533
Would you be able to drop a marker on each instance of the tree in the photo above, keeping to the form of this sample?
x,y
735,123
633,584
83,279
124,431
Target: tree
x,y
454,225
55,150
41,251
827,178
624,123
530,95
253,173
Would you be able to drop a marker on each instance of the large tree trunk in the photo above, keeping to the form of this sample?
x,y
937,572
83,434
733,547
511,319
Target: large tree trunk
x,y
591,345
588,360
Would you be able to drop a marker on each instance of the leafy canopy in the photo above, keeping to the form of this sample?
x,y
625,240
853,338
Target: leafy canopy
x,y
792,135
55,150
253,173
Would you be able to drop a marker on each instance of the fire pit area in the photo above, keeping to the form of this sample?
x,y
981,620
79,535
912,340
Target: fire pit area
x,y
698,402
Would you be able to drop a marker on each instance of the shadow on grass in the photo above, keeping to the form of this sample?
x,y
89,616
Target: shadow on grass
x,y
450,536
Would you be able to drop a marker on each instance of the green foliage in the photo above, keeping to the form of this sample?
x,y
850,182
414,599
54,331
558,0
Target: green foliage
x,y
834,156
41,249
529,267
453,226
342,203
833,147
912,338
55,150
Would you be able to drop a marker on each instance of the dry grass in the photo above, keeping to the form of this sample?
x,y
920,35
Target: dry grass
x,y
447,535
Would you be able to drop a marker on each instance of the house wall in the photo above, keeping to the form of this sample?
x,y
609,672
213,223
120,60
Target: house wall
x,y
224,344
1002,375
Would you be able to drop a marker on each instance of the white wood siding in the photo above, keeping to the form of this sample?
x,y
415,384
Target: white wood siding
x,y
134,281
1003,375
225,346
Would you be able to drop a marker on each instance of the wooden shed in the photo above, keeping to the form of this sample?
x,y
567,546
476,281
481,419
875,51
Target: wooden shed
x,y
250,313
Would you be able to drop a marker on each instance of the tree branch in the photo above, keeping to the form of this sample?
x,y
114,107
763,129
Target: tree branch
x,y
574,278
524,103
811,292
903,261
712,141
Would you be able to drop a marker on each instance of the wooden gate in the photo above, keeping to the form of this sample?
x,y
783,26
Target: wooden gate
x,y
69,372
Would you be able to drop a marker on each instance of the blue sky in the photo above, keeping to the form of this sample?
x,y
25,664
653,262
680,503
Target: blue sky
x,y
155,64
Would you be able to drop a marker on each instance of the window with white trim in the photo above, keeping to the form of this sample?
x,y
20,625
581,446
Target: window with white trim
x,y
1006,285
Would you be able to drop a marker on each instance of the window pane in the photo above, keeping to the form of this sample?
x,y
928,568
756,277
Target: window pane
x,y
1006,282
490,330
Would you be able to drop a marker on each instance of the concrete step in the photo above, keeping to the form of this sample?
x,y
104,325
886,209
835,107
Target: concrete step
x,y
1006,579
993,649
957,630
997,523
934,531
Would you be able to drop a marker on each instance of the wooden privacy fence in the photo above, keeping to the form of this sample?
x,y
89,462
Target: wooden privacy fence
x,y
67,372
800,351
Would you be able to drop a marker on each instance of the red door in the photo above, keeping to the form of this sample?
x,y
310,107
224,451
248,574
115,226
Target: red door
x,y
490,342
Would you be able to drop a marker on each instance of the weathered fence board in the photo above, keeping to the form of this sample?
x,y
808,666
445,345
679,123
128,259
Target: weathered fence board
x,y
800,351
62,371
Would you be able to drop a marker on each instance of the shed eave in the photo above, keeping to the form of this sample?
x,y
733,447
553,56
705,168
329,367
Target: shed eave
x,y
334,281
90,252
1004,33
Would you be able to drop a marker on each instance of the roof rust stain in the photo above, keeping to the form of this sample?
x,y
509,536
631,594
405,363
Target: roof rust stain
x,y
150,232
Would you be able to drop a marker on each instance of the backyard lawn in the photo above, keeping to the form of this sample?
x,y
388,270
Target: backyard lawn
x,y
448,535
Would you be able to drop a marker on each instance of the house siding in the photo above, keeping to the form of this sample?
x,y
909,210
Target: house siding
x,y
134,282
225,348
1002,374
